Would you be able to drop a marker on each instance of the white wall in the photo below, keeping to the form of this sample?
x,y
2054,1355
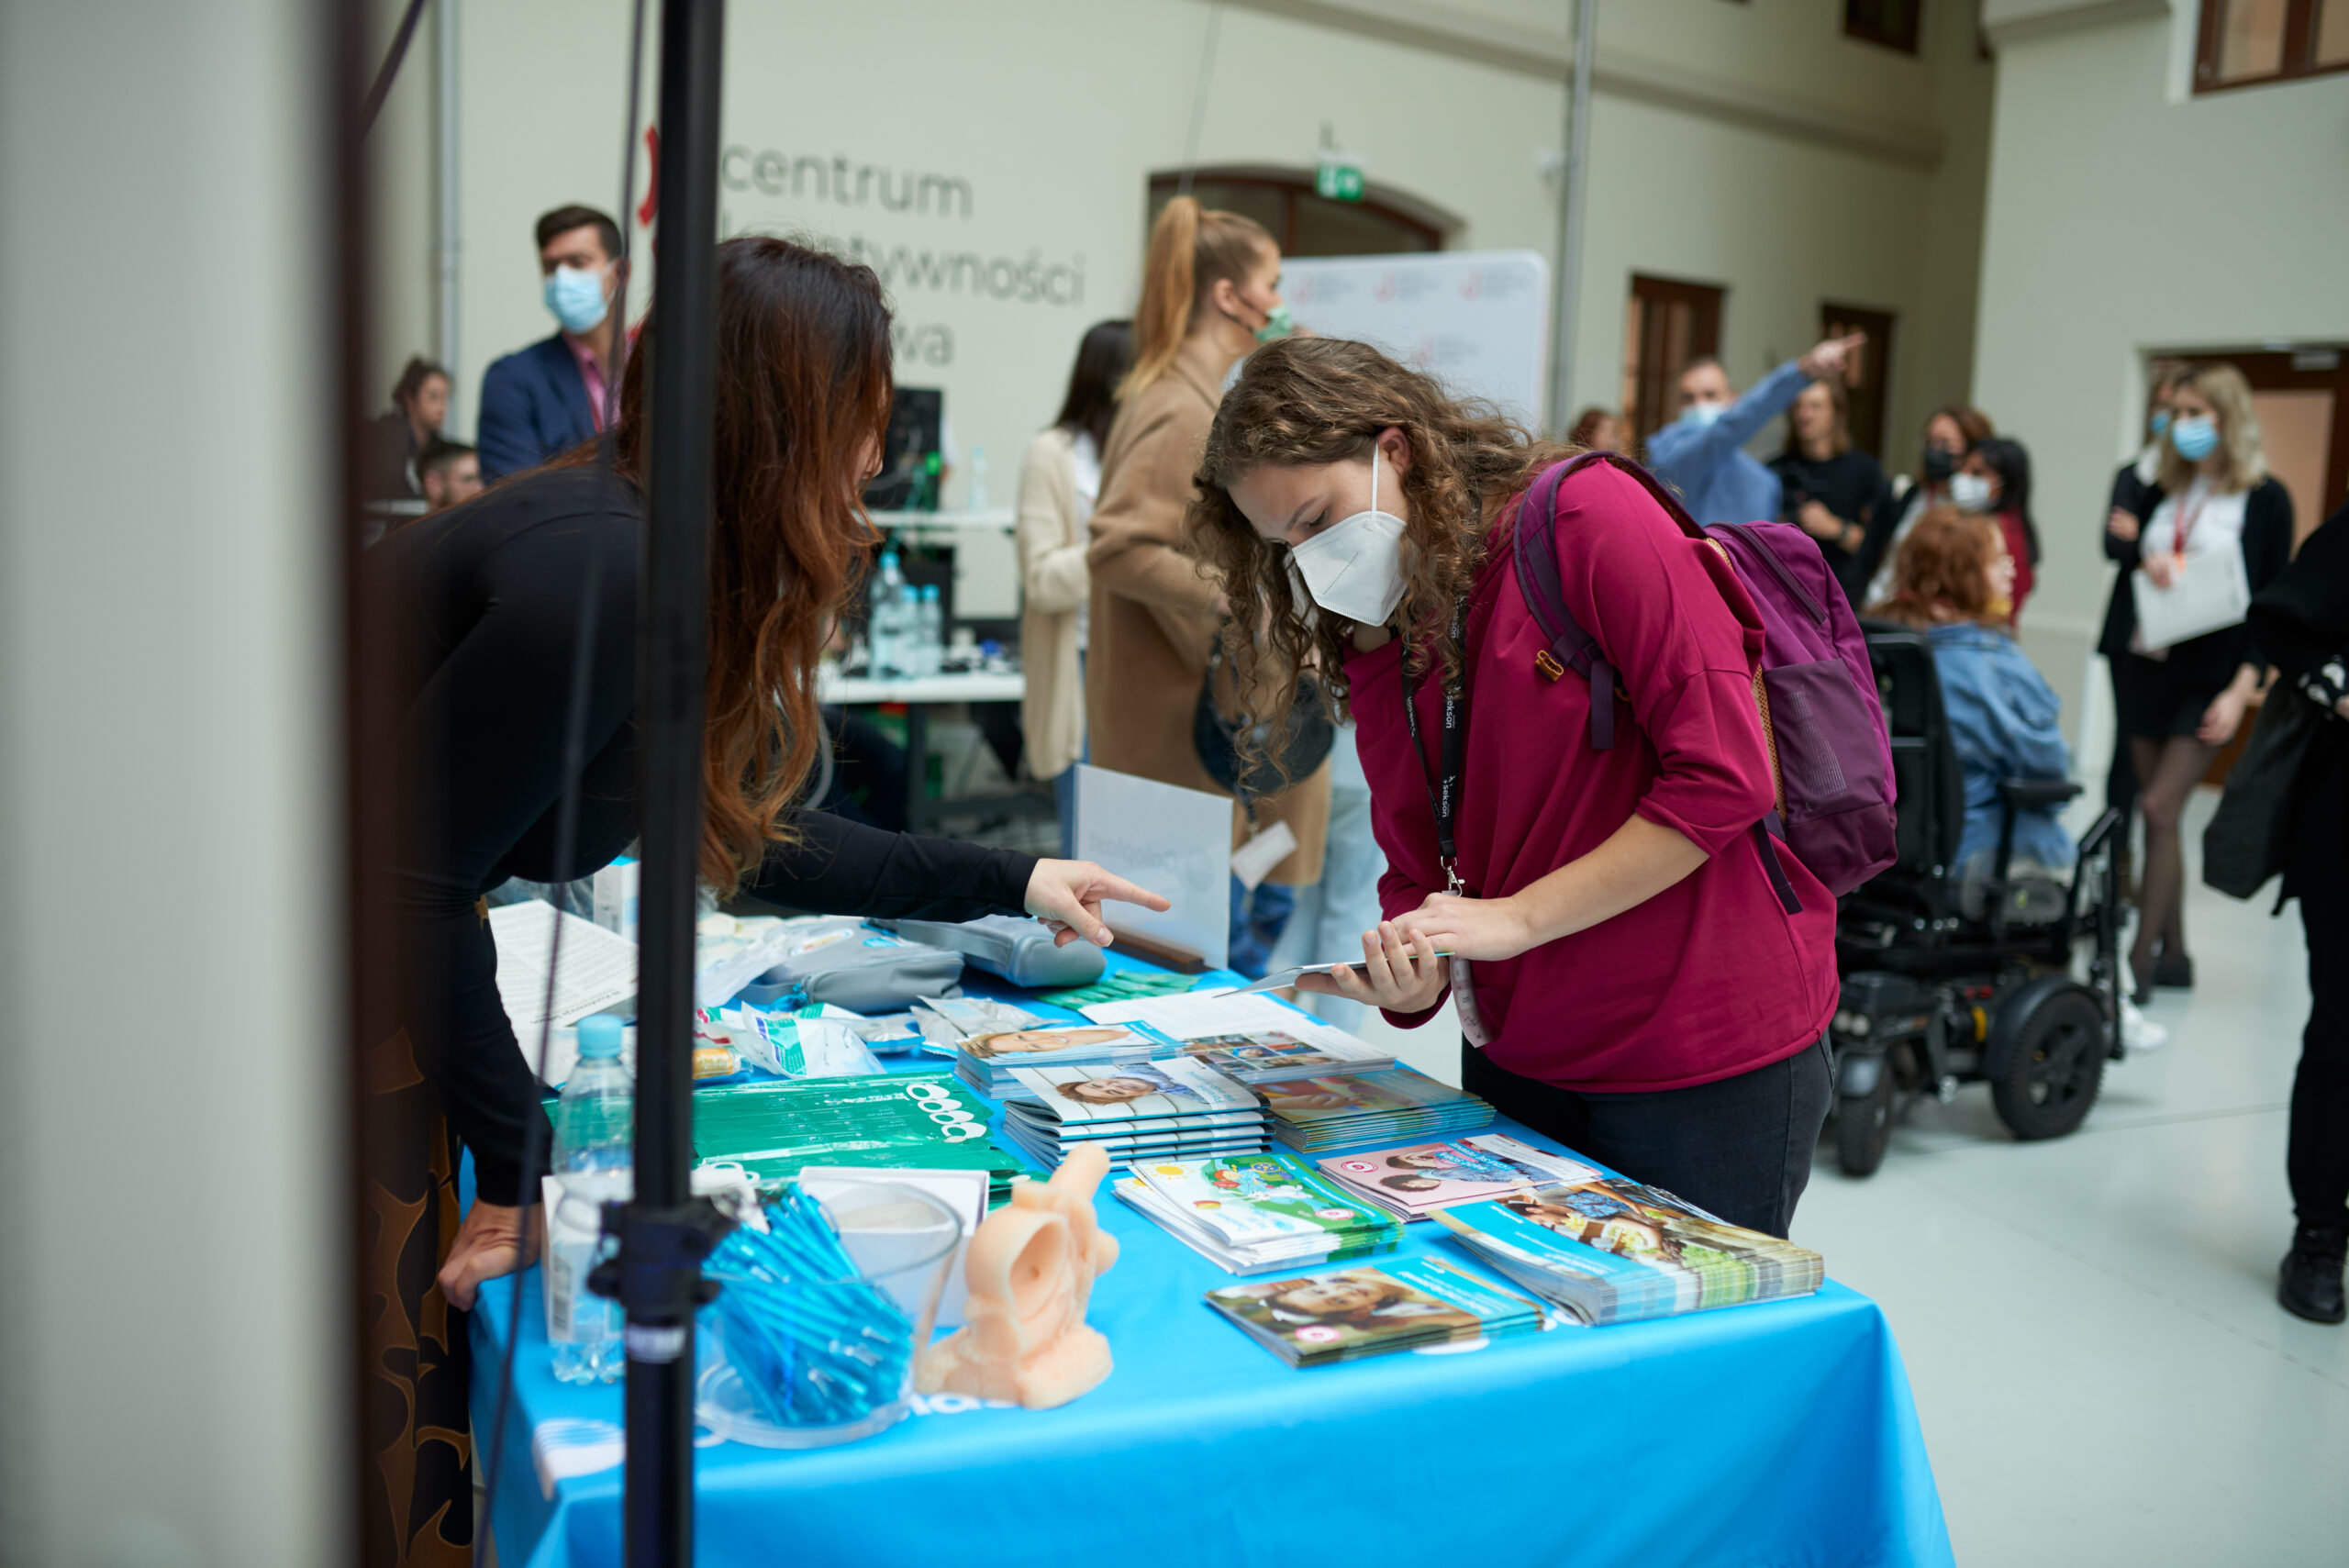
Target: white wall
x,y
174,1218
2125,216
1056,111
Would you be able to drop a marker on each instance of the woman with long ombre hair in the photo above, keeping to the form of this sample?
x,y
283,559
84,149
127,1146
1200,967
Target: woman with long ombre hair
x,y
2180,704
490,600
1210,292
1638,990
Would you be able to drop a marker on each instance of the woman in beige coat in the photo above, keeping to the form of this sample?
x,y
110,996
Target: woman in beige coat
x,y
1210,286
1058,481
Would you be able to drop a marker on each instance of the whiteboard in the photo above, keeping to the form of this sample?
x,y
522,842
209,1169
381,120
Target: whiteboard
x,y
1477,321
1177,842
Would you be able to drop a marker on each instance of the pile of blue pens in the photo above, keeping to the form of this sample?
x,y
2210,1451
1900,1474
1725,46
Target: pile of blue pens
x,y
815,1344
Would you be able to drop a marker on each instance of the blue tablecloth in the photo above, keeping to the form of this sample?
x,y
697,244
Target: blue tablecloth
x,y
1781,1434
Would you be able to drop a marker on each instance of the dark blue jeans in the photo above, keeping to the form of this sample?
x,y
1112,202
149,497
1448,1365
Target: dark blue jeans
x,y
1739,1147
1257,921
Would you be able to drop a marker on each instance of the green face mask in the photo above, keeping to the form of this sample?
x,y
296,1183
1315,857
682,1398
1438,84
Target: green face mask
x,y
1277,324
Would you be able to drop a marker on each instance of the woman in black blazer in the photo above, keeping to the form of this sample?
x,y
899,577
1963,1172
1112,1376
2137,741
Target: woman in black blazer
x,y
2136,491
2179,705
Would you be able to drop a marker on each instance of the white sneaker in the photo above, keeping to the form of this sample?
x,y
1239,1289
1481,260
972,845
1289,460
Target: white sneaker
x,y
2139,1032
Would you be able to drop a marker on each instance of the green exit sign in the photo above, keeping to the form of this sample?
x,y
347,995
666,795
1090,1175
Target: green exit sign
x,y
1337,177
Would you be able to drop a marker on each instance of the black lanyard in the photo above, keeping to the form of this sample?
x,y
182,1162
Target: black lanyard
x,y
1443,792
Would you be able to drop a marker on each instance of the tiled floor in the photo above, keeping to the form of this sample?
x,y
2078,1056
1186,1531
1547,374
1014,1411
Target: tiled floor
x,y
2101,1370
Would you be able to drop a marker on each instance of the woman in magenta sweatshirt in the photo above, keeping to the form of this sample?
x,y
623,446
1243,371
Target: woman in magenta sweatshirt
x,y
1640,991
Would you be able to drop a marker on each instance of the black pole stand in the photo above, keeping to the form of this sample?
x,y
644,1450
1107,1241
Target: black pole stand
x,y
663,1235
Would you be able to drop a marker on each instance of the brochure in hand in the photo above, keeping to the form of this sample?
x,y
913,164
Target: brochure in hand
x,y
1419,1178
1253,1212
1314,1320
1327,1112
988,1061
1168,1108
1612,1250
773,1126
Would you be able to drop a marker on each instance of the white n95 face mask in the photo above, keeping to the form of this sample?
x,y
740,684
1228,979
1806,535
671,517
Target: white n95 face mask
x,y
1355,567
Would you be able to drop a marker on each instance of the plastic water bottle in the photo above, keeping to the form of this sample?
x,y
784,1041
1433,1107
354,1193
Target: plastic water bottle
x,y
908,624
594,1130
884,633
929,632
978,497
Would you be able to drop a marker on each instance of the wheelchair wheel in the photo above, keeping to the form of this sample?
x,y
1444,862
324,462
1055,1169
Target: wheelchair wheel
x,y
2057,1065
1864,1127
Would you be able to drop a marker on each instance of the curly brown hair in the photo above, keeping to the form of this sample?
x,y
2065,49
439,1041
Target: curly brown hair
x,y
1321,400
1943,571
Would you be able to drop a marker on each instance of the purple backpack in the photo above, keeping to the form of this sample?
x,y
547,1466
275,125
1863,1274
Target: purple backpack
x,y
1820,716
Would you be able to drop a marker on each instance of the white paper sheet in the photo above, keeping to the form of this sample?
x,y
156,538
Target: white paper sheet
x,y
598,967
1177,842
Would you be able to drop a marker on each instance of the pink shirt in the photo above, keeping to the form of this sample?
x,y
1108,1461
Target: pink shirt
x,y
591,370
1711,977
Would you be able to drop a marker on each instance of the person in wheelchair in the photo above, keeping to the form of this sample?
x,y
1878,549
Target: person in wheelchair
x,y
1953,580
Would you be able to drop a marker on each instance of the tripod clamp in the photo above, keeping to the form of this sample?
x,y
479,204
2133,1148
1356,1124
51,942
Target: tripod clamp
x,y
656,1274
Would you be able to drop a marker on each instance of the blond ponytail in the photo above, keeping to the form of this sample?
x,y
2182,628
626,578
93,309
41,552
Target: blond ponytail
x,y
1191,250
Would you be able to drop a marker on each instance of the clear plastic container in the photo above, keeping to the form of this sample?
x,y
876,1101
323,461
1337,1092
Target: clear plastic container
x,y
898,1243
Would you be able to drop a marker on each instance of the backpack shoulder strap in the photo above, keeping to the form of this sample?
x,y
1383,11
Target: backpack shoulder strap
x,y
1537,579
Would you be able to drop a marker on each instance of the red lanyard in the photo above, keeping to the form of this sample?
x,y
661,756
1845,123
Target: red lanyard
x,y
2186,521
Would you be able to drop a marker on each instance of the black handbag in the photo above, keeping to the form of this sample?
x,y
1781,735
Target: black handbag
x,y
1302,746
2244,844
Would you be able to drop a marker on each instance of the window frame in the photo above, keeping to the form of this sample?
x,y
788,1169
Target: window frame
x,y
2300,19
1911,43
1435,227
1707,304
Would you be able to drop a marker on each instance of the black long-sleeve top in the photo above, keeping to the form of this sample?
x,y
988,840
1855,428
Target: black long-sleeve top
x,y
2302,622
488,598
2138,498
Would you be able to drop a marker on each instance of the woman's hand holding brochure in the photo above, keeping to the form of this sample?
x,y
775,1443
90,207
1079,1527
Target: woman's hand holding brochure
x,y
1402,976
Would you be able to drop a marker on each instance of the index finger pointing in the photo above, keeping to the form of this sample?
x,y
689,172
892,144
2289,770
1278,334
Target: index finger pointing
x,y
1106,885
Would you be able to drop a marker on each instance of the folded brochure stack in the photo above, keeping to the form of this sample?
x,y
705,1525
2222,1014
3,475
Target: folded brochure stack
x,y
990,1061
1399,1305
1334,1112
1249,1213
1612,1250
1173,1109
1419,1178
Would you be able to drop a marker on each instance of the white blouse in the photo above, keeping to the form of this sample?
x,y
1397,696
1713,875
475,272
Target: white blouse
x,y
2214,521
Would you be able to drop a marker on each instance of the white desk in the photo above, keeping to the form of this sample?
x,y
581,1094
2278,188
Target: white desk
x,y
919,695
970,685
998,519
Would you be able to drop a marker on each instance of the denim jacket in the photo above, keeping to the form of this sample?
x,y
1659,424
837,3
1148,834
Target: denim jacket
x,y
2002,720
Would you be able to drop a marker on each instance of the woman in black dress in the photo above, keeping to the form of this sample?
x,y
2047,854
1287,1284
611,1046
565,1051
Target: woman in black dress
x,y
2179,705
489,599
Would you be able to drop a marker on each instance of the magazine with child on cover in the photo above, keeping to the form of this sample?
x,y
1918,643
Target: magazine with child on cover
x,y
1419,1178
1314,1320
1325,1112
1614,1251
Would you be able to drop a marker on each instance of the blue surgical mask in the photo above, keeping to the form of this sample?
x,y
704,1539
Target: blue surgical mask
x,y
2158,423
1703,414
1969,492
576,299
2195,437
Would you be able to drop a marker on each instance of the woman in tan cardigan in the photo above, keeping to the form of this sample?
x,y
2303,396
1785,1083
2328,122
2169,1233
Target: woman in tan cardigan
x,y
1210,286
1059,483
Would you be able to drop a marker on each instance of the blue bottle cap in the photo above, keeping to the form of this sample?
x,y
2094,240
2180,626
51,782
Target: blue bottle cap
x,y
599,1038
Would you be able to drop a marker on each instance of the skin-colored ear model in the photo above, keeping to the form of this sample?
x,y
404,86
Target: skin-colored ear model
x,y
1030,1270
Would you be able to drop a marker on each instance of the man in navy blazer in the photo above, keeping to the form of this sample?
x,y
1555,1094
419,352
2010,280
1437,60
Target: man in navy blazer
x,y
541,401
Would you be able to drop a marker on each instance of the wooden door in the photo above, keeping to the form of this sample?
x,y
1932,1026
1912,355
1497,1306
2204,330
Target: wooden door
x,y
1669,324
